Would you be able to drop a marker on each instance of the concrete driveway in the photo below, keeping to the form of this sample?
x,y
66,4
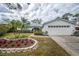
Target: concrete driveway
x,y
69,43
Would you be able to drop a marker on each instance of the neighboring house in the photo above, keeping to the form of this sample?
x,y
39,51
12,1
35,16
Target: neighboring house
x,y
34,26
59,27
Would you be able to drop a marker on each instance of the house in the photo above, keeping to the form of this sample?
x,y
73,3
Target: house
x,y
59,27
34,26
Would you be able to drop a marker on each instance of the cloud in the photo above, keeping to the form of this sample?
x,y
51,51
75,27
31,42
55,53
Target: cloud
x,y
44,11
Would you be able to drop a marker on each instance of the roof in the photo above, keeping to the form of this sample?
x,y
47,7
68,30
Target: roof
x,y
58,18
35,25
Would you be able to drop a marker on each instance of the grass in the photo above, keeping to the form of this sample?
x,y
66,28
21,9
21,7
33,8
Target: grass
x,y
46,47
11,35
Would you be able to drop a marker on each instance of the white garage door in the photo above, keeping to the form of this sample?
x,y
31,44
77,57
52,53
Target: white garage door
x,y
60,30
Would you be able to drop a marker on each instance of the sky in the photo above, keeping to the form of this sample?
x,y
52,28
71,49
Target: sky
x,y
44,11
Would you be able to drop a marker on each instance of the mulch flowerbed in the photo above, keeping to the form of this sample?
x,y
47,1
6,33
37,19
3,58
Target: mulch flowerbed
x,y
19,43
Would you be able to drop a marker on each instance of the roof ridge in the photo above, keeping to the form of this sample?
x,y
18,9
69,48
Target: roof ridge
x,y
58,18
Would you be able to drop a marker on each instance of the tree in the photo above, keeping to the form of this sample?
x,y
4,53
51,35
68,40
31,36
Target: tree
x,y
66,16
76,15
37,21
15,25
13,6
26,23
77,18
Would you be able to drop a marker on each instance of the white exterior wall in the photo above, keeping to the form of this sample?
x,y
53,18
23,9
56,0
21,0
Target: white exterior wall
x,y
58,30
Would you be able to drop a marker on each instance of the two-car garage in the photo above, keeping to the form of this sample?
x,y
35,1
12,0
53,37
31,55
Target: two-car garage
x,y
59,27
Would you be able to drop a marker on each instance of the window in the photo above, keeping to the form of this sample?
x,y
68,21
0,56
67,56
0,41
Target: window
x,y
49,26
64,26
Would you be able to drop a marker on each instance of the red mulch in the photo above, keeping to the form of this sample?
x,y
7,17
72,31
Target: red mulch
x,y
19,43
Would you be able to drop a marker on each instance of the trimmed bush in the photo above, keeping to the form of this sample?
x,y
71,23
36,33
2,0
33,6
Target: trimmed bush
x,y
38,32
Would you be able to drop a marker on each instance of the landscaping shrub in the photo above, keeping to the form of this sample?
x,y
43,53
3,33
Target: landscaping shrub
x,y
45,33
38,32
4,28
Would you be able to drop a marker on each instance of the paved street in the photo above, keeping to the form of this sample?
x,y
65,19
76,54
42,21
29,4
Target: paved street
x,y
69,43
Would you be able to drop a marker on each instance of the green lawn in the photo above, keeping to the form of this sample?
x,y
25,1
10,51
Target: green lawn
x,y
46,47
11,35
